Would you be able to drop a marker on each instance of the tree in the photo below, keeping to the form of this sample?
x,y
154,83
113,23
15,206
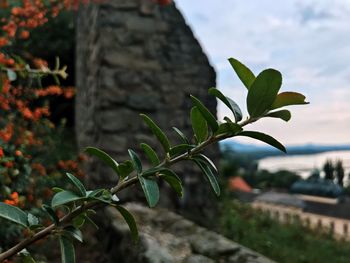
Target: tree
x,y
339,172
328,169
315,175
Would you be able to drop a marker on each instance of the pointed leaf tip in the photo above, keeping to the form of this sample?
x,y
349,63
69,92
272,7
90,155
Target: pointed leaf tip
x,y
135,161
67,250
150,189
199,125
243,72
163,139
130,221
150,153
104,157
77,183
233,106
281,114
288,98
210,176
207,115
264,138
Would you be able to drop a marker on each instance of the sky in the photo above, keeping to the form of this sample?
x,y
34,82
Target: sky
x,y
308,41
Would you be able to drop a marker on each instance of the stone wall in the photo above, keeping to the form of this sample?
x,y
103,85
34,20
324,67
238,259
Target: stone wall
x,y
165,237
134,56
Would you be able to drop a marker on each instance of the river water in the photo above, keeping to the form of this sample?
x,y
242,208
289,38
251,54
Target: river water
x,y
304,164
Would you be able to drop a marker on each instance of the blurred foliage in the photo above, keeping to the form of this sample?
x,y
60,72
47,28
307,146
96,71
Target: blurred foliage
x,y
244,165
56,38
36,147
287,243
264,179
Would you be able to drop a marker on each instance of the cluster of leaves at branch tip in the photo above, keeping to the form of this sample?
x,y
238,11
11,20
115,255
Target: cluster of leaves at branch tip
x,y
263,100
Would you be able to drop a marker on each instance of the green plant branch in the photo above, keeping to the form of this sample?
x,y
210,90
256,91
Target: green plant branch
x,y
262,101
114,190
43,71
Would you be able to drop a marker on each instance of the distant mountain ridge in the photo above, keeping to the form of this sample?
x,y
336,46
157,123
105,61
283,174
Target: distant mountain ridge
x,y
260,151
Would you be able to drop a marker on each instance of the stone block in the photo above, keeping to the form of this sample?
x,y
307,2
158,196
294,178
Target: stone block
x,y
164,237
144,101
198,259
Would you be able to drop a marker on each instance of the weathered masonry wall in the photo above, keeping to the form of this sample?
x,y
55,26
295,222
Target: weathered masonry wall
x,y
136,57
168,237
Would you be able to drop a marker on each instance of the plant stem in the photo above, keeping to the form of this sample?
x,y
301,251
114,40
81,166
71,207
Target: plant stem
x,y
122,185
46,71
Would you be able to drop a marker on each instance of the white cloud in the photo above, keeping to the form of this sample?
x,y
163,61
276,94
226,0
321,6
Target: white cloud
x,y
307,40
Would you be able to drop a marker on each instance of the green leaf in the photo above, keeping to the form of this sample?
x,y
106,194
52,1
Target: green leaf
x,y
125,168
263,92
210,176
199,125
67,250
103,199
182,135
32,220
228,128
135,161
163,139
244,73
130,221
179,149
26,257
264,138
92,222
73,232
64,197
76,182
227,119
57,80
14,214
12,76
173,180
150,189
94,193
281,114
79,221
106,195
151,172
288,98
208,116
104,157
233,106
150,153
205,160
54,218
57,189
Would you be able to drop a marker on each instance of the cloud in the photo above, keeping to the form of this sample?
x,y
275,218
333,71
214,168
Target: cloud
x,y
310,13
307,40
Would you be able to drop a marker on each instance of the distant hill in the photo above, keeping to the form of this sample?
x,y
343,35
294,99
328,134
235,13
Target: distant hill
x,y
261,151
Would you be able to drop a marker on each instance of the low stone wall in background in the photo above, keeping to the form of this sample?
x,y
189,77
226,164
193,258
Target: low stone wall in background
x,y
166,237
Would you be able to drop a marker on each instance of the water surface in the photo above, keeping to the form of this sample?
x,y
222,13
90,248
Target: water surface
x,y
304,164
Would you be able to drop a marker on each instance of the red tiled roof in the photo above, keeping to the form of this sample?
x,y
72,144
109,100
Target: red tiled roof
x,y
238,184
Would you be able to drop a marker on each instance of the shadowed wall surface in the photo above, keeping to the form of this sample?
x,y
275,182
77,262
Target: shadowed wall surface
x,y
136,57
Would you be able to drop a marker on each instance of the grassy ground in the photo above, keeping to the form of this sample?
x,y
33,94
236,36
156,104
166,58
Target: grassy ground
x,y
290,243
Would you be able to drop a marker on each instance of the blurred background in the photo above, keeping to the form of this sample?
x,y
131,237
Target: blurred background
x,y
143,56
